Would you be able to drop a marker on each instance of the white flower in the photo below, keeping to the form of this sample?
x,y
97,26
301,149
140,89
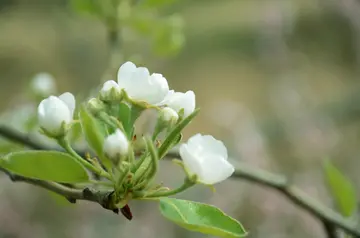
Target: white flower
x,y
109,88
54,111
207,158
140,85
179,100
168,114
116,145
43,84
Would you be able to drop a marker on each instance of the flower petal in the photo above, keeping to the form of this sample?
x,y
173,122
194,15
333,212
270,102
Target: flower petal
x,y
215,169
125,71
136,85
192,163
52,112
116,144
69,100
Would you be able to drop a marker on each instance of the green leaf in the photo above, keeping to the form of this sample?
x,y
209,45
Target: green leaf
x,y
93,135
342,189
201,217
45,165
75,132
125,118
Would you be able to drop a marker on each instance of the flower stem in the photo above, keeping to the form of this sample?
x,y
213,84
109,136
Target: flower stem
x,y
98,170
187,184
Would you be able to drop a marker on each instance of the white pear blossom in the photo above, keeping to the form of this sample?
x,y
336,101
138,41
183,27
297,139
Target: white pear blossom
x,y
116,145
206,157
108,88
43,84
140,85
168,114
179,100
54,111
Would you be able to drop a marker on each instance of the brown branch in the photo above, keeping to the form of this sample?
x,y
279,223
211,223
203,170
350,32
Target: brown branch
x,y
280,183
71,194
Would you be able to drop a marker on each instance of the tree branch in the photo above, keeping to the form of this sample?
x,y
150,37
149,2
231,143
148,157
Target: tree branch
x,y
280,183
330,230
71,194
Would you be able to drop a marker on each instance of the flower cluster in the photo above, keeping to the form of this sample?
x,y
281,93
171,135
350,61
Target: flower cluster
x,y
108,122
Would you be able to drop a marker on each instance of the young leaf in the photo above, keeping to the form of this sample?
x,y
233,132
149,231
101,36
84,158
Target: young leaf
x,y
342,189
173,137
93,135
125,118
45,165
201,217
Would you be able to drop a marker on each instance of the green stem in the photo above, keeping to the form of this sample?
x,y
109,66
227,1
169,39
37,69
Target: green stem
x,y
158,129
154,159
168,142
187,184
98,170
122,176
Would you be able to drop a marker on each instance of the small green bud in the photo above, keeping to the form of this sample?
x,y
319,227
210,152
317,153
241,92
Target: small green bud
x,y
95,105
168,116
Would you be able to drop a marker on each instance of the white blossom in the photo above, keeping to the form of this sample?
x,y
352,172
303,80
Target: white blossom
x,y
140,85
54,111
179,100
43,84
116,145
206,157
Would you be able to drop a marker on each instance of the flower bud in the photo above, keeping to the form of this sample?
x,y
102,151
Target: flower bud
x,y
168,117
55,113
116,145
43,84
95,105
110,91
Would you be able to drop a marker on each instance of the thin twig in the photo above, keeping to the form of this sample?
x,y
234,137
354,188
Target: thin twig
x,y
71,194
278,182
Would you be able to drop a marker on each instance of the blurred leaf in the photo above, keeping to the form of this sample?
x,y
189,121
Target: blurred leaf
x,y
157,3
31,123
142,23
93,135
87,6
200,217
45,165
168,38
75,132
167,43
341,188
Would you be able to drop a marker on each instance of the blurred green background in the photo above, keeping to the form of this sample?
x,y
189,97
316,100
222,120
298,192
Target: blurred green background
x,y
276,80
